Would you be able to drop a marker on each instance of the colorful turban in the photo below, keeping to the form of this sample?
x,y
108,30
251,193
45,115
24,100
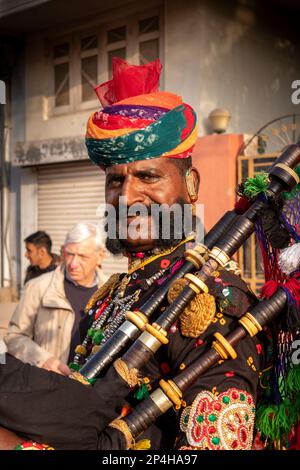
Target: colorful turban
x,y
137,121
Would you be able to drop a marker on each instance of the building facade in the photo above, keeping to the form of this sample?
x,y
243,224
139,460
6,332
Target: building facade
x,y
238,55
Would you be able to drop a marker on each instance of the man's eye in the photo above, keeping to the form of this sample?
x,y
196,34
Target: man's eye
x,y
114,183
149,178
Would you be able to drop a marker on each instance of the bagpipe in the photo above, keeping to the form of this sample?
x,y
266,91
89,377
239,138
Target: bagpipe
x,y
220,244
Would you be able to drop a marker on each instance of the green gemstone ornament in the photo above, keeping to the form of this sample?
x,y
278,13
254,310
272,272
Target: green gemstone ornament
x,y
98,337
212,418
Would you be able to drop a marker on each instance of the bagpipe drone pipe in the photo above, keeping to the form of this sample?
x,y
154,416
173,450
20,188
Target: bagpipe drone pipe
x,y
130,329
222,242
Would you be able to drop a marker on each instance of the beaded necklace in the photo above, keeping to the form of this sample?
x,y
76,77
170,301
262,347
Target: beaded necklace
x,y
109,313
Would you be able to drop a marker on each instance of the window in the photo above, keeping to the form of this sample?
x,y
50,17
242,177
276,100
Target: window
x,y
89,67
81,61
61,68
116,46
148,39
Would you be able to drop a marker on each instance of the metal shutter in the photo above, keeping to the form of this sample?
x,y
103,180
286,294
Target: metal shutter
x,y
69,193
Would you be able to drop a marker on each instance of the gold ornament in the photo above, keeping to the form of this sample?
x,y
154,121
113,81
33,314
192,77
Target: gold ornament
x,y
176,289
80,349
104,290
198,315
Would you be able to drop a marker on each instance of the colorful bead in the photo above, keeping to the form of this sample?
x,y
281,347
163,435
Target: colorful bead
x,y
215,441
80,349
98,337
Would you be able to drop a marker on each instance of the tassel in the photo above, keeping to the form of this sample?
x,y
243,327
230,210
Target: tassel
x,y
142,392
275,422
256,185
143,444
293,379
289,259
265,421
268,289
242,205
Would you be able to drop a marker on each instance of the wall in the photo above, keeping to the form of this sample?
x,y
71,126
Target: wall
x,y
220,54
215,158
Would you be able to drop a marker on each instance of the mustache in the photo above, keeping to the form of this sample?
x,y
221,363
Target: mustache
x,y
123,210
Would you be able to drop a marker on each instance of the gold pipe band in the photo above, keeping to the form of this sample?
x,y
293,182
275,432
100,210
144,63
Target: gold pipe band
x,y
196,282
288,170
79,378
159,335
219,256
227,346
137,318
195,289
175,388
121,426
160,329
246,323
253,320
195,258
201,249
220,350
170,392
250,324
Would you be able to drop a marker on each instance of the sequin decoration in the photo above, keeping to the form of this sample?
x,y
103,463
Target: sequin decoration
x,y
224,422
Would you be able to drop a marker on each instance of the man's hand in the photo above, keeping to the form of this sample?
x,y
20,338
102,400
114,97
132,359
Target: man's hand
x,y
8,440
55,365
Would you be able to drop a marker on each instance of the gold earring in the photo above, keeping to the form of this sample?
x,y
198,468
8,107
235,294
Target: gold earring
x,y
190,184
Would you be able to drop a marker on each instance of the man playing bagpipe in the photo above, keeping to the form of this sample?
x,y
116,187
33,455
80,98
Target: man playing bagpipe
x,y
144,139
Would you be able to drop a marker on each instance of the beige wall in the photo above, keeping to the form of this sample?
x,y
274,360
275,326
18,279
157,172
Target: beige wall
x,y
219,54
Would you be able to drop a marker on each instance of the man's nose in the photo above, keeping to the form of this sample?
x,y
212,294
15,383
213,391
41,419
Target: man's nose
x,y
74,261
131,192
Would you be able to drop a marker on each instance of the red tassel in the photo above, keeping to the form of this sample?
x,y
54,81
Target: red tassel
x,y
242,205
268,289
293,285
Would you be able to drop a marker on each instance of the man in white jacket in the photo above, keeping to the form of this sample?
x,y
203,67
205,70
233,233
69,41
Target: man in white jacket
x,y
44,329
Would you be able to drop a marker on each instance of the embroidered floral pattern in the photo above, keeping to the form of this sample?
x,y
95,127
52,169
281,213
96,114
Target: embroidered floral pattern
x,y
224,422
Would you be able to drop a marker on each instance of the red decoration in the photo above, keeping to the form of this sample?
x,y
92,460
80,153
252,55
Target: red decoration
x,y
101,309
165,263
242,205
165,368
129,80
230,374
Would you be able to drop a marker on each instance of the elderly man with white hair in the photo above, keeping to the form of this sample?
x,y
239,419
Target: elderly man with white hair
x,y
44,329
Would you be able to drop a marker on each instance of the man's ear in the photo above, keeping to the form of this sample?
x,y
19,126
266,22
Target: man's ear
x,y
193,183
42,251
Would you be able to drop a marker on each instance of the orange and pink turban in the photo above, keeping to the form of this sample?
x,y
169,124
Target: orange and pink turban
x,y
137,121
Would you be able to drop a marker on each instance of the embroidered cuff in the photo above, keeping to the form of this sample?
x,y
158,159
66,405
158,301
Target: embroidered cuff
x,y
223,422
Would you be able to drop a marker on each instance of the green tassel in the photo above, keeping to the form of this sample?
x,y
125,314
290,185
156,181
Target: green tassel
x,y
256,185
92,381
285,418
275,422
265,420
293,379
98,337
74,366
142,392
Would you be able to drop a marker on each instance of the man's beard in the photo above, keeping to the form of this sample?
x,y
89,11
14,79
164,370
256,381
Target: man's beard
x,y
176,234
